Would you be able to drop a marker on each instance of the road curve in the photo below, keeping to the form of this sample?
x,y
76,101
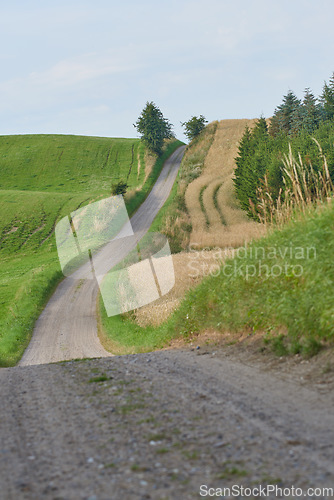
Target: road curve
x,y
67,328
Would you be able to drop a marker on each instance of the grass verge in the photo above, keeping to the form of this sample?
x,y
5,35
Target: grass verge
x,y
281,286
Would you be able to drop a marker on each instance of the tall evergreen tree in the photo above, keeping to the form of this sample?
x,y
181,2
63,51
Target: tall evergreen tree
x,y
283,115
327,98
245,150
153,128
311,112
251,163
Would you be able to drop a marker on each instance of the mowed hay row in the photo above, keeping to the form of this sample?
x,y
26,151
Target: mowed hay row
x,y
214,216
193,204
220,222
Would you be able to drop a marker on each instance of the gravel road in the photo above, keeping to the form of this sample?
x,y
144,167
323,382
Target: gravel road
x,y
158,426
67,328
155,426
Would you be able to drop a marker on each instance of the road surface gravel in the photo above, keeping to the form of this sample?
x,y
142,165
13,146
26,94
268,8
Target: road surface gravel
x,y
158,426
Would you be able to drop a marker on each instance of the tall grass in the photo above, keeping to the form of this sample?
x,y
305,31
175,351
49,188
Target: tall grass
x,y
303,187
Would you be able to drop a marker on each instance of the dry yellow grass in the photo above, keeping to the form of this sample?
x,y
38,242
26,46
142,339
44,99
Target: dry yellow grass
x,y
190,268
228,224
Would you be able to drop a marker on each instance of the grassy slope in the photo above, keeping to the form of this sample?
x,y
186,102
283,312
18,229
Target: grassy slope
x,y
294,313
43,178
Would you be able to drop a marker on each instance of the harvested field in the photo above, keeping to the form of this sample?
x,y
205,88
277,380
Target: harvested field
x,y
215,216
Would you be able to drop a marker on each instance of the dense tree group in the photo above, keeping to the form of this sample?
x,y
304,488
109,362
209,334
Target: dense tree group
x,y
294,122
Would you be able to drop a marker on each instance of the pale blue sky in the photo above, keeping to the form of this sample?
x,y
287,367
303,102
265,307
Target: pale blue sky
x,y
79,67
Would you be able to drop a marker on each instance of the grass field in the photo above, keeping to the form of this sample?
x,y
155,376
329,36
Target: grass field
x,y
42,179
280,287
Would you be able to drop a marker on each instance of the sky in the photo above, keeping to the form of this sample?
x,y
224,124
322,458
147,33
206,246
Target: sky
x,y
89,67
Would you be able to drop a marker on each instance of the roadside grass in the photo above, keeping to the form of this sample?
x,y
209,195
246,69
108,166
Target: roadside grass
x,y
42,179
30,268
281,287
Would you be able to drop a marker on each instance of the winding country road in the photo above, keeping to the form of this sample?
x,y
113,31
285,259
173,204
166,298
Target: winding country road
x,y
67,328
161,425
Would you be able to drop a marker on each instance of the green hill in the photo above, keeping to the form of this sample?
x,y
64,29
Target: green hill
x,y
42,179
65,163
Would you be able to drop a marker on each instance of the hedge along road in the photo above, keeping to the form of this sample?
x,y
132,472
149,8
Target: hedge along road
x,y
67,328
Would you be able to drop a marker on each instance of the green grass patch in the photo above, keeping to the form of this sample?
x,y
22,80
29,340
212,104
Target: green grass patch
x,y
67,163
42,179
281,286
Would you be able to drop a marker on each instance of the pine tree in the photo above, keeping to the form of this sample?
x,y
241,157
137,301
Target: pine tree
x,y
153,128
327,98
311,112
283,115
244,152
252,161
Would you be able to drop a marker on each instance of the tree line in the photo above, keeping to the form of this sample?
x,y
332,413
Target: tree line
x,y
154,128
295,122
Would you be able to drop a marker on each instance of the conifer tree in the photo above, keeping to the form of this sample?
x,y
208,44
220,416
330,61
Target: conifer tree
x,y
283,115
311,112
327,98
153,128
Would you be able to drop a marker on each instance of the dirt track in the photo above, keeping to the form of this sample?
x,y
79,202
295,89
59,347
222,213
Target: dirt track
x,y
157,426
67,328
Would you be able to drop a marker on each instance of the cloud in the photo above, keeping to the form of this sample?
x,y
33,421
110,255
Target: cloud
x,y
76,70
